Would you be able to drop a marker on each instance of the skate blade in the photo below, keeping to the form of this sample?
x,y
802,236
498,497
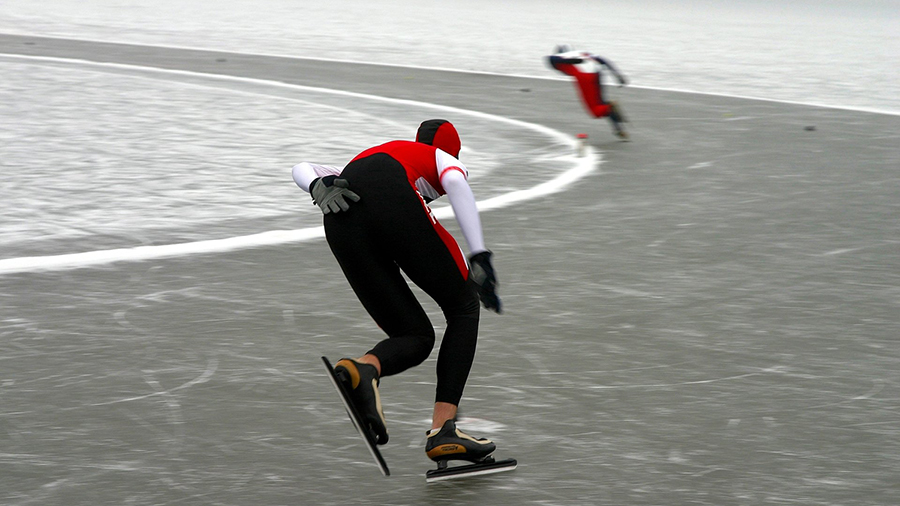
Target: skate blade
x,y
467,471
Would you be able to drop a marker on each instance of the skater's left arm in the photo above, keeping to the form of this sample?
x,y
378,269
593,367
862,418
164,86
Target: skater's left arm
x,y
462,200
454,180
481,269
608,64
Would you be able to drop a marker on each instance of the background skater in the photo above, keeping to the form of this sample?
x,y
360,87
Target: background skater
x,y
378,223
587,69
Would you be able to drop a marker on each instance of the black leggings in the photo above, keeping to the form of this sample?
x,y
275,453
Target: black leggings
x,y
390,229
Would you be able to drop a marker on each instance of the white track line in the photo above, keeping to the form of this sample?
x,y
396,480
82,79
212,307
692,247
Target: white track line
x,y
581,167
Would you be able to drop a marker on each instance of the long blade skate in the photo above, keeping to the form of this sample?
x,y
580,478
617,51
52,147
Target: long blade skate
x,y
487,466
356,419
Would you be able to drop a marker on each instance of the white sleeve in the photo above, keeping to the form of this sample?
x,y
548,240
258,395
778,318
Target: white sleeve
x,y
304,173
462,200
445,161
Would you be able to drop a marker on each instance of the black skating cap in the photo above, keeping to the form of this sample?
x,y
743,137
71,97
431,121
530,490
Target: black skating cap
x,y
441,134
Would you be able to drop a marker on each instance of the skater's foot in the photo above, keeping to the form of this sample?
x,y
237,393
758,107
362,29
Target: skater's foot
x,y
450,443
622,134
361,381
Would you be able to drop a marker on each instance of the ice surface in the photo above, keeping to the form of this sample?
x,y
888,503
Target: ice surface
x,y
709,317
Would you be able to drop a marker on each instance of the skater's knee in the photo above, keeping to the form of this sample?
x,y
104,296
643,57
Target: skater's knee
x,y
400,353
424,344
419,345
601,110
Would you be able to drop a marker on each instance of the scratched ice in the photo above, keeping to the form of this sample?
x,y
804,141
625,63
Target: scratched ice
x,y
710,319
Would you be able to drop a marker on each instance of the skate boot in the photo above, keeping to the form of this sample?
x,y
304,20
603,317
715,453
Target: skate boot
x,y
361,381
450,443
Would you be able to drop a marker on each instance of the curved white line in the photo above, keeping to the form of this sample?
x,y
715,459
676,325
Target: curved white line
x,y
582,166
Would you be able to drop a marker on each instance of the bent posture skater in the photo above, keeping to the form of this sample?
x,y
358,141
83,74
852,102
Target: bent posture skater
x,y
587,69
377,223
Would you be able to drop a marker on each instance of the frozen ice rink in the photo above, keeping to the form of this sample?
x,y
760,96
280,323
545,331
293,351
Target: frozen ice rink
x,y
707,315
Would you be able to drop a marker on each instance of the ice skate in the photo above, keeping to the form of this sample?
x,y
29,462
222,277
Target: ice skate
x,y
361,382
449,443
368,435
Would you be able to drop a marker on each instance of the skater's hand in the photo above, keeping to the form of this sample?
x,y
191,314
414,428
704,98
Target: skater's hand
x,y
331,193
482,273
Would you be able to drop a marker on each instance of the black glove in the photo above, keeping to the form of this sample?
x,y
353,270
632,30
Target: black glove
x,y
481,272
329,193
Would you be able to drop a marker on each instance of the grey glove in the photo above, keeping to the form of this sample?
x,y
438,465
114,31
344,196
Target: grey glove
x,y
331,193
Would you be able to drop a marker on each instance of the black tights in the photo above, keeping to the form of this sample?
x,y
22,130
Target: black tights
x,y
390,230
